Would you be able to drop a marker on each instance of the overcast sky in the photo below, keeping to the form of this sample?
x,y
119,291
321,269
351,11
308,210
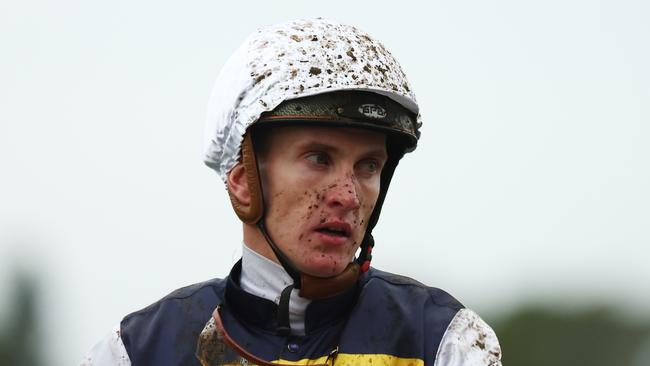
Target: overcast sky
x,y
530,183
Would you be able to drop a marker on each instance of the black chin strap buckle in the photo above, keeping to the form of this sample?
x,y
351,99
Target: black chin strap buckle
x,y
284,326
366,253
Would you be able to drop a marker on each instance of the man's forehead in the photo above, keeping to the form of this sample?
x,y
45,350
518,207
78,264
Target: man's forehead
x,y
319,134
323,137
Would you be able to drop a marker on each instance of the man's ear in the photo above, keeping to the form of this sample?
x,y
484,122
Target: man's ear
x,y
238,189
244,185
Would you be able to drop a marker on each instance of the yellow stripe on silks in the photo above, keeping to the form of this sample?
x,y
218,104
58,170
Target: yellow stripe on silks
x,y
346,359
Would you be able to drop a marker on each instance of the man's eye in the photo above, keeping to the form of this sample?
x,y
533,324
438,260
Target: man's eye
x,y
370,166
318,158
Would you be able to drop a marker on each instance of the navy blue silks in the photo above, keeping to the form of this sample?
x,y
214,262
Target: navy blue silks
x,y
384,314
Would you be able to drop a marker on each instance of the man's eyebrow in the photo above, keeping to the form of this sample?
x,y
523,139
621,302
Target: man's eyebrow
x,y
378,153
320,146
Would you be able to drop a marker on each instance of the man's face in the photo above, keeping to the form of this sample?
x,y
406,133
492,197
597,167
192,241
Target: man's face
x,y
320,187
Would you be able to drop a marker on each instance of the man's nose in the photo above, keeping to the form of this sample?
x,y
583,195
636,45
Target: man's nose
x,y
343,193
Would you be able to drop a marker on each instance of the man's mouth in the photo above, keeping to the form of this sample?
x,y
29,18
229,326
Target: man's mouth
x,y
335,228
332,232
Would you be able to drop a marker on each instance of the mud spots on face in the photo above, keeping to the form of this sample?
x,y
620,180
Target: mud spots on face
x,y
294,73
295,37
315,197
334,269
301,236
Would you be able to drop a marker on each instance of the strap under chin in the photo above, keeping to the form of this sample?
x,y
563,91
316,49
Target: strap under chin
x,y
284,261
284,325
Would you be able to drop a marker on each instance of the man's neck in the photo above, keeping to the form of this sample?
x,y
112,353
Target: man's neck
x,y
264,278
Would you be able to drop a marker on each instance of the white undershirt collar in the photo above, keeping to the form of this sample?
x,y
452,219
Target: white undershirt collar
x,y
262,277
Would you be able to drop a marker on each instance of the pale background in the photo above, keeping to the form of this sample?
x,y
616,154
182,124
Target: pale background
x,y
530,183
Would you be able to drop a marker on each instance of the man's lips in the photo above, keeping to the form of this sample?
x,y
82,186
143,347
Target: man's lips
x,y
335,228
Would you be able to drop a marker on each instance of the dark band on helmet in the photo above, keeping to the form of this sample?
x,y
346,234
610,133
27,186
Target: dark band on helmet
x,y
359,109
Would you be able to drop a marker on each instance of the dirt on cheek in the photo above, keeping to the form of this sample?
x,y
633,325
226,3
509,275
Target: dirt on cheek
x,y
315,198
284,217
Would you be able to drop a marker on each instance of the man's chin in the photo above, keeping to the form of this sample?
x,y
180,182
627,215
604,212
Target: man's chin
x,y
325,269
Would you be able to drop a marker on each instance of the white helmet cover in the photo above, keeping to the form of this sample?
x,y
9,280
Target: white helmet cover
x,y
291,60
